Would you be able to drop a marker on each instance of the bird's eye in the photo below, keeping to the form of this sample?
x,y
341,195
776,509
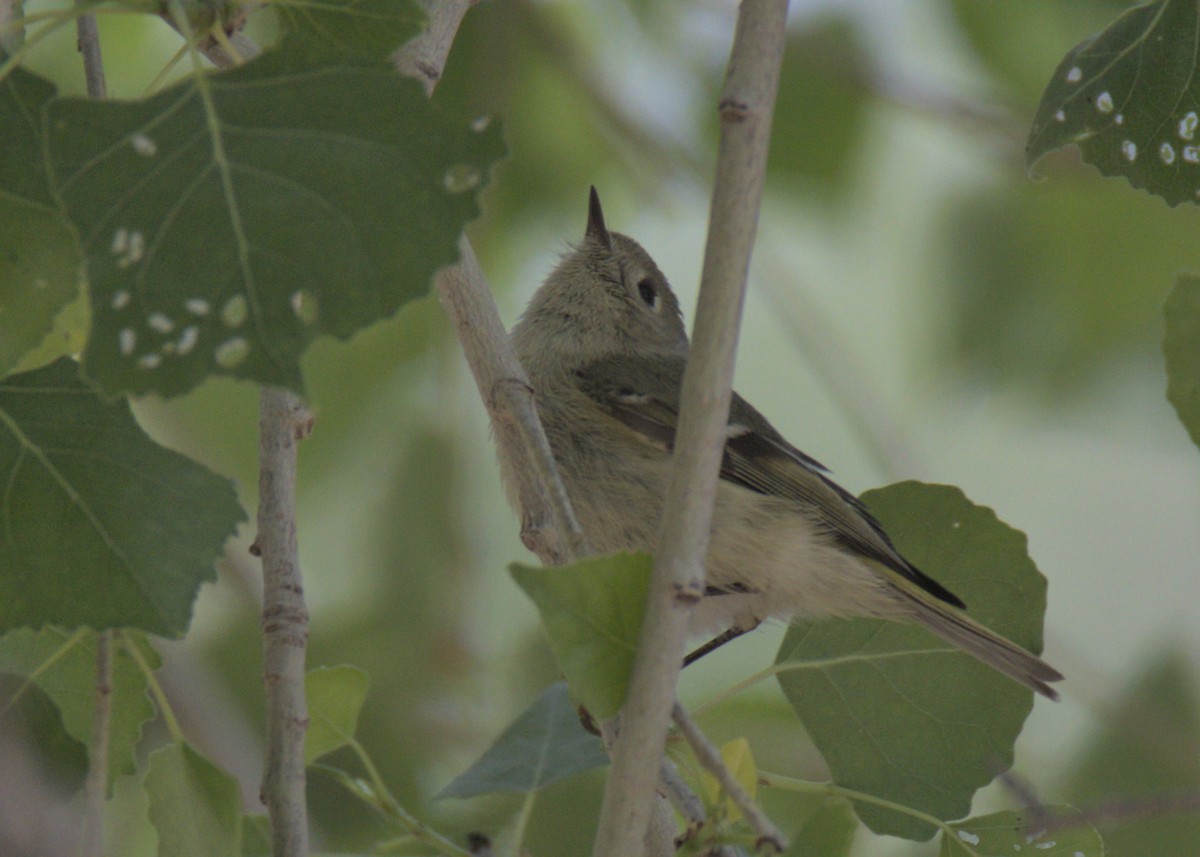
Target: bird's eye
x,y
647,291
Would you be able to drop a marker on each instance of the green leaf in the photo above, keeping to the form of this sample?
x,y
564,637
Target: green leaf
x,y
101,526
63,666
828,832
39,256
542,746
1128,98
335,696
592,612
365,28
1003,834
195,806
1147,751
895,711
1181,347
229,220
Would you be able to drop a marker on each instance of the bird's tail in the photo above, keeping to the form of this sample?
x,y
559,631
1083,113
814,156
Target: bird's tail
x,y
955,626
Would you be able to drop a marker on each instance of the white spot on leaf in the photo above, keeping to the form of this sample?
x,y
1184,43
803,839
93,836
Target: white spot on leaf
x,y
1191,154
187,339
149,361
1167,153
304,305
143,145
120,241
1119,119
132,244
231,352
120,299
1187,125
1129,150
1075,74
127,341
968,837
196,306
1104,102
1060,117
461,178
480,125
160,322
235,311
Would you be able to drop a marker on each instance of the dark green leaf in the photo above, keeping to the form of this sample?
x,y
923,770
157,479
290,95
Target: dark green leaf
x,y
366,28
39,256
101,526
195,806
1181,347
63,666
1129,99
542,746
1146,757
592,612
335,696
1004,834
897,712
232,218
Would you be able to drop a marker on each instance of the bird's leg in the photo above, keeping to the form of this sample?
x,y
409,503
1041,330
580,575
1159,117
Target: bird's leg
x,y
718,641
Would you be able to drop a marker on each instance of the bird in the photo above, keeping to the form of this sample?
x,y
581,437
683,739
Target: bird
x,y
604,345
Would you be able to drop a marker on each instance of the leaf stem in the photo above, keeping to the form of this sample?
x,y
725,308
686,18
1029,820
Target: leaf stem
x,y
395,810
156,689
71,642
793,784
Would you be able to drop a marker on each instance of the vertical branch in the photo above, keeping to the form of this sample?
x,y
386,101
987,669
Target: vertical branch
x,y
96,785
747,101
283,423
12,34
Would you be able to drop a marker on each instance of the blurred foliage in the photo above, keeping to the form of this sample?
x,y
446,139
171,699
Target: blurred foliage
x,y
1050,284
1140,775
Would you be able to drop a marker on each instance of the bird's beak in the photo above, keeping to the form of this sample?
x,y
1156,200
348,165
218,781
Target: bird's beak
x,y
596,230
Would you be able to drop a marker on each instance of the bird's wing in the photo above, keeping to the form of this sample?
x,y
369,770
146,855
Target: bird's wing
x,y
643,394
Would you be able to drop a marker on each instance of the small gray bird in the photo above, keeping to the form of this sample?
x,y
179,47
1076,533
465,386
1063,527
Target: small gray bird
x,y
605,348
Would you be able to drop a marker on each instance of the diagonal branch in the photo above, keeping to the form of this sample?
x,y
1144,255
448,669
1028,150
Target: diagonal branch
x,y
746,105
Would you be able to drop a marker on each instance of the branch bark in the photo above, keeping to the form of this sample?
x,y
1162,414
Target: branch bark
x,y
746,105
283,423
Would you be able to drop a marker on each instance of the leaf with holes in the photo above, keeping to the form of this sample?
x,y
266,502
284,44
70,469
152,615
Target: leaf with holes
x,y
39,257
895,711
232,218
100,525
542,746
592,612
1003,834
63,666
1129,98
1181,347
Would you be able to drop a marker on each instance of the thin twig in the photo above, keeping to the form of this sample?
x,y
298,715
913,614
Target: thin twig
x,y
746,105
283,423
96,786
12,28
710,759
93,64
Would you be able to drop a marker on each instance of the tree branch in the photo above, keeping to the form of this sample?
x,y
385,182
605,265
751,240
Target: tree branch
x,y
710,759
283,423
746,105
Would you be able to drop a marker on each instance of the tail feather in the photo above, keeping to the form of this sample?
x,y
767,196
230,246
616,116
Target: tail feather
x,y
1003,655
